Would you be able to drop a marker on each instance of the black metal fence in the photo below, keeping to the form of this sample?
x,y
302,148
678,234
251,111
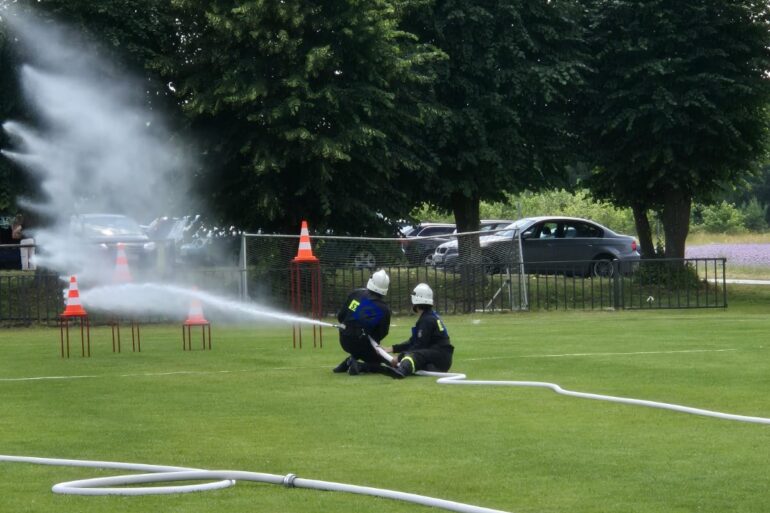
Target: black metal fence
x,y
38,296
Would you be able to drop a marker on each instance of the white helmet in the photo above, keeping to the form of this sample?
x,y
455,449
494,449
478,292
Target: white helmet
x,y
422,295
379,282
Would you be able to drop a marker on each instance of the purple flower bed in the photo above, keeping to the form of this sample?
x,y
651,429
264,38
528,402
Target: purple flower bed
x,y
736,254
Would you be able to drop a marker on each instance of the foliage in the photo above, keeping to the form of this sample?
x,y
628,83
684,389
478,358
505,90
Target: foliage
x,y
677,103
549,202
504,95
669,275
721,218
305,109
755,215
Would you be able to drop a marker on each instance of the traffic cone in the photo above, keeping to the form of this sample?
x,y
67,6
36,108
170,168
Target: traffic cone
x,y
305,252
122,274
195,315
73,307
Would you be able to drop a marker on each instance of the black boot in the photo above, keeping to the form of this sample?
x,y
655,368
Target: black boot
x,y
342,367
356,367
404,369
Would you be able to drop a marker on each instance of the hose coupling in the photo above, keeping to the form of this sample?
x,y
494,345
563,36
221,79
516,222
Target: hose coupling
x,y
288,480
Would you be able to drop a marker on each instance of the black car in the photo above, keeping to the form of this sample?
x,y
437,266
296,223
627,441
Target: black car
x,y
421,241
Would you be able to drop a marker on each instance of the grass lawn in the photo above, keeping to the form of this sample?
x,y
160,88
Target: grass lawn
x,y
254,403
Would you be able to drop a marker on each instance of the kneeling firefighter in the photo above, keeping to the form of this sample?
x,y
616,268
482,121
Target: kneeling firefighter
x,y
428,348
365,316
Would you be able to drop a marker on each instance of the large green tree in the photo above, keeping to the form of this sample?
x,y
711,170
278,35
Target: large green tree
x,y
677,104
504,97
305,109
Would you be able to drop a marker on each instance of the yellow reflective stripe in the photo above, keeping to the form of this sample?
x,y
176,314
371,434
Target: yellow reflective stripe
x,y
414,367
440,325
353,306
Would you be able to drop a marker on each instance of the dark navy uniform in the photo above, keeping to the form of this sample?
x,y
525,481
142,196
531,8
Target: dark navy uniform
x,y
364,314
429,346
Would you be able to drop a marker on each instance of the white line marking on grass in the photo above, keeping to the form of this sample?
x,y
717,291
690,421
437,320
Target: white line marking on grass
x,y
597,354
149,374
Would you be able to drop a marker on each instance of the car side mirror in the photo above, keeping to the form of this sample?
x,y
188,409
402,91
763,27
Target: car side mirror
x,y
527,234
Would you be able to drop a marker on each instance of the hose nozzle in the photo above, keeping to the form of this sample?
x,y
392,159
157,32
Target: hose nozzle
x,y
339,326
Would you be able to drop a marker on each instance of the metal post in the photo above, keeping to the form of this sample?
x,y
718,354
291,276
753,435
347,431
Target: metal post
x,y
244,270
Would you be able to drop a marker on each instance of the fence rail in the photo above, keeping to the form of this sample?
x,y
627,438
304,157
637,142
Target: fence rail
x,y
36,297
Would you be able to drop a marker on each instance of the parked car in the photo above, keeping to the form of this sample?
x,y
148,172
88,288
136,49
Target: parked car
x,y
552,244
105,231
419,250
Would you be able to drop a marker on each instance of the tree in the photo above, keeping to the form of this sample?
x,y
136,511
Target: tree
x,y
676,105
504,95
305,109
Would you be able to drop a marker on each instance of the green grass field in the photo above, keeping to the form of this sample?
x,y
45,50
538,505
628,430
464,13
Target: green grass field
x,y
254,403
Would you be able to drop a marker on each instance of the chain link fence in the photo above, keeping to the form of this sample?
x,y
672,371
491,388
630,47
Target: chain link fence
x,y
476,281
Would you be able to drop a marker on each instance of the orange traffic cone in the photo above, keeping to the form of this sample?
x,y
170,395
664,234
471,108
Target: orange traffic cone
x,y
305,252
73,307
122,274
195,316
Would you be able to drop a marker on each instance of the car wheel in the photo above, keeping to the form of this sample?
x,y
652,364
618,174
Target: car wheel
x,y
602,268
364,259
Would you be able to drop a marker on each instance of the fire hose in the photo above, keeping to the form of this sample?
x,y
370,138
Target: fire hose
x,y
217,479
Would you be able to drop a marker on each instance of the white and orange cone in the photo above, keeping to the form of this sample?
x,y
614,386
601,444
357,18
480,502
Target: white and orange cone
x,y
122,273
73,307
304,252
195,315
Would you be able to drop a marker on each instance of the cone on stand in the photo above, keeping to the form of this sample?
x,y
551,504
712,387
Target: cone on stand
x,y
195,315
305,251
122,273
305,267
73,307
195,318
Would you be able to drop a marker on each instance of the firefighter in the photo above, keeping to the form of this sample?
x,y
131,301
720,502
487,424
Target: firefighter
x,y
364,315
428,348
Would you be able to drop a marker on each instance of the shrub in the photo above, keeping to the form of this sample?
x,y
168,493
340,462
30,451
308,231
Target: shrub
x,y
754,216
722,218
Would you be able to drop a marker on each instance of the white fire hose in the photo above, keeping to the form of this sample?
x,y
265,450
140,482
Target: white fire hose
x,y
449,378
218,479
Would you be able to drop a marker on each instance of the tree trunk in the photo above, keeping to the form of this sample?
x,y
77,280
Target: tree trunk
x,y
643,230
676,221
466,212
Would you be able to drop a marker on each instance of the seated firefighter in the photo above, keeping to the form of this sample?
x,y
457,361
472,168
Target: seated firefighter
x,y
428,348
365,317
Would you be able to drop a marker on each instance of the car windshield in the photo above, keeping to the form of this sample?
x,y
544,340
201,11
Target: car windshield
x,y
511,228
110,226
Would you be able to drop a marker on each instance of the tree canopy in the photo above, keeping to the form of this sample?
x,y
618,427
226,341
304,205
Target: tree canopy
x,y
676,103
304,109
504,95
